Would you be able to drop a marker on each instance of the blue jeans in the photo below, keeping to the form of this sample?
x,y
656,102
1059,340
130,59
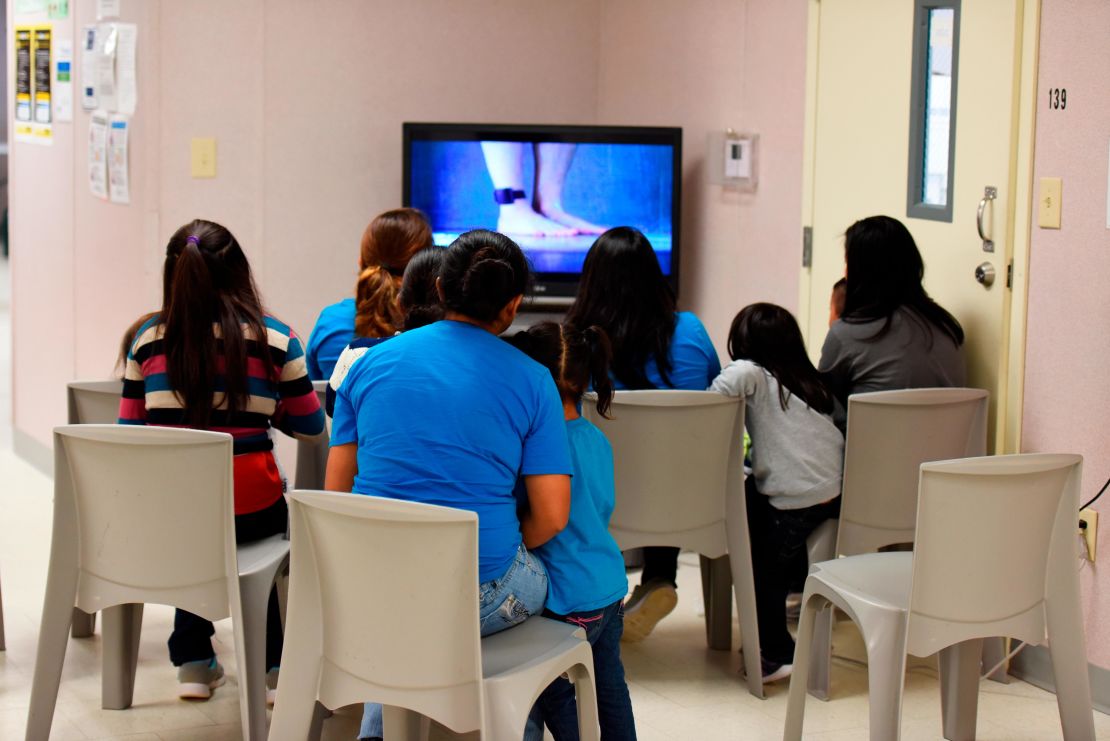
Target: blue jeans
x,y
556,706
502,603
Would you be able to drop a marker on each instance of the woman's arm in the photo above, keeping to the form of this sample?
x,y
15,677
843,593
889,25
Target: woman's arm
x,y
298,413
342,467
548,507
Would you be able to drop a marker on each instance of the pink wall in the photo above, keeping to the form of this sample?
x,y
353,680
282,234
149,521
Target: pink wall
x,y
708,65
1067,355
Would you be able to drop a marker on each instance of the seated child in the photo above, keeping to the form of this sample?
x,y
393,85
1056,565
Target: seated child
x,y
797,458
586,579
837,299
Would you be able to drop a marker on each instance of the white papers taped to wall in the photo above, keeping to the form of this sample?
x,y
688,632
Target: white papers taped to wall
x,y
119,189
98,155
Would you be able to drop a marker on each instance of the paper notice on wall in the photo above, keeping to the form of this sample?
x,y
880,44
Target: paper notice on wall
x,y
107,37
88,68
43,71
98,155
107,9
58,9
127,89
63,81
23,79
119,189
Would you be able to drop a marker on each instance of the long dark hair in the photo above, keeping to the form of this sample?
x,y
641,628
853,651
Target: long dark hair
x,y
624,292
576,359
207,281
768,335
885,271
388,244
419,299
482,271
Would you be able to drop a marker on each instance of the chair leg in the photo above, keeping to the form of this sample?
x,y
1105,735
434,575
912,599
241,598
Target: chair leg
x,y
316,727
959,689
400,724
585,696
254,595
57,611
84,623
1069,668
743,583
796,698
886,671
2,644
820,672
122,627
716,592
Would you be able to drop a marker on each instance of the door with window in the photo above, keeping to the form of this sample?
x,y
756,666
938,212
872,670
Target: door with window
x,y
913,111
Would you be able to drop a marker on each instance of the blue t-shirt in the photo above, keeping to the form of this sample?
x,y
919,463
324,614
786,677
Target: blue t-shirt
x,y
449,414
585,568
694,362
334,330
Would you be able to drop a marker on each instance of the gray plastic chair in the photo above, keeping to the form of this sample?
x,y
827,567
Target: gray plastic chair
x,y
890,434
965,581
91,403
119,542
383,607
678,458
312,455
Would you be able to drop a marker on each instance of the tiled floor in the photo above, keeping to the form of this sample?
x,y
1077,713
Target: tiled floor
x,y
680,690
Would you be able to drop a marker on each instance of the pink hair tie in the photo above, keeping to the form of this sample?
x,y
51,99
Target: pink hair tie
x,y
193,239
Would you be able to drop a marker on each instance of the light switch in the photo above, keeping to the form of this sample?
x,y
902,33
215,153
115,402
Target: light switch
x,y
203,160
1050,203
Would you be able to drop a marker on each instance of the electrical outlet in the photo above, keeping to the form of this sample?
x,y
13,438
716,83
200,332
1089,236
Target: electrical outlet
x,y
1090,532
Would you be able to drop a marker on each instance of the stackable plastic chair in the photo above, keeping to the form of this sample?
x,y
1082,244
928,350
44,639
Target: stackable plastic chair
x,y
678,458
91,403
312,455
890,434
383,607
3,645
969,578
146,514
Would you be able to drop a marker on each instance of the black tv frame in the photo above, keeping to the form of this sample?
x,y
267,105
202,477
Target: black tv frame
x,y
557,287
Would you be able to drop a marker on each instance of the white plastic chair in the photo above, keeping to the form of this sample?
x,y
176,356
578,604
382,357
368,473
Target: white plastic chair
x,y
383,607
968,579
890,434
91,403
678,458
145,514
312,455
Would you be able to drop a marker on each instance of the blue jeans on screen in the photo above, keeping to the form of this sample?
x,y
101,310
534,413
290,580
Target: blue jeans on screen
x,y
502,603
556,706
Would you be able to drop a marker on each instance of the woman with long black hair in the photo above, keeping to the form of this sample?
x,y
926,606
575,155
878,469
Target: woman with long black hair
x,y
624,292
213,359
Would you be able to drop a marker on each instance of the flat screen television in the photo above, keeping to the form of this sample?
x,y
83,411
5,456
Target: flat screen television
x,y
552,189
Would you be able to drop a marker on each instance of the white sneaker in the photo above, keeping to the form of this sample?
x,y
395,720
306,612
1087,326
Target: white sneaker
x,y
648,604
197,679
271,686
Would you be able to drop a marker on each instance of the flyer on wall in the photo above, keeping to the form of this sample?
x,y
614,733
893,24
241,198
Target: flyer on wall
x,y
23,81
98,155
119,190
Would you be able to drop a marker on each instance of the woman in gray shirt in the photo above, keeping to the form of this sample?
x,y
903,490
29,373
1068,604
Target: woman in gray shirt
x,y
892,335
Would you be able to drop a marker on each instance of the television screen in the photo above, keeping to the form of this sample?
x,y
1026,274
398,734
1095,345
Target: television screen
x,y
552,189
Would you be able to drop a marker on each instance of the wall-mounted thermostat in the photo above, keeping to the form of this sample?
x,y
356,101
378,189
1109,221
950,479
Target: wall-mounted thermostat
x,y
733,159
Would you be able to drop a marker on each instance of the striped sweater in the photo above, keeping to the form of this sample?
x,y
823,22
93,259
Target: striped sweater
x,y
289,404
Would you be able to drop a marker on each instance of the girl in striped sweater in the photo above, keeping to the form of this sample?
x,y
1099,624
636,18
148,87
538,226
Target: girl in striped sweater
x,y
213,359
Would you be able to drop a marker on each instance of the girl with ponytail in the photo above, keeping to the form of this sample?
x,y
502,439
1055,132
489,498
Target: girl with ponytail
x,y
213,359
585,568
388,244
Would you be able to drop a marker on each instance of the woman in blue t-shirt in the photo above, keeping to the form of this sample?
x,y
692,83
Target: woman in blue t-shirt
x,y
623,291
450,414
388,244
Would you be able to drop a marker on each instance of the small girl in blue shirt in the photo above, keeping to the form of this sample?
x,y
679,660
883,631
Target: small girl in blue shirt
x,y
586,579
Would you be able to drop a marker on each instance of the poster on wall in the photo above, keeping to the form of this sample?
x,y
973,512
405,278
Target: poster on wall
x,y
30,6
107,38
88,68
33,73
63,81
23,77
98,155
42,75
127,90
58,9
119,190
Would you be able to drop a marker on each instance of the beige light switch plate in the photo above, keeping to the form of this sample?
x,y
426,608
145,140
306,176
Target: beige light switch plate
x,y
203,159
1050,203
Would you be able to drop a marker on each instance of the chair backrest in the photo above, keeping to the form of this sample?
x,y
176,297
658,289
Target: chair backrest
x,y
392,586
890,434
678,456
312,455
995,536
149,513
93,402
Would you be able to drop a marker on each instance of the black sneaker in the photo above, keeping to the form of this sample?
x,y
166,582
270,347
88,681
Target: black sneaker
x,y
773,671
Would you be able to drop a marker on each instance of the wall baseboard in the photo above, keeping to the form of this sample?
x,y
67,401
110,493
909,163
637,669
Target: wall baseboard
x,y
1033,665
31,450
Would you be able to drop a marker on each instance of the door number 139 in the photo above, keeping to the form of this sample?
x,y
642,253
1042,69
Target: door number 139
x,y
1057,98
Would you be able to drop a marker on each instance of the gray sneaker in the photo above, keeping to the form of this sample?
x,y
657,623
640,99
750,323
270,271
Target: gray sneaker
x,y
648,604
197,679
271,686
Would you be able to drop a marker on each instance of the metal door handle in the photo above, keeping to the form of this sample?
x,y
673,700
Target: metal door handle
x,y
989,194
984,274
